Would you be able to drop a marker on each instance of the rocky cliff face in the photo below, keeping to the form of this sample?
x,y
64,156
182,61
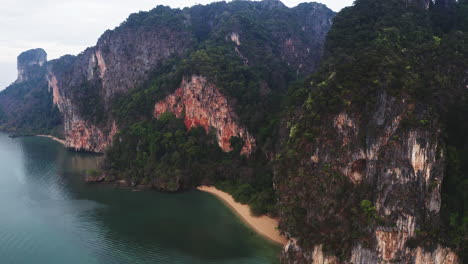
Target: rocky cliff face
x,y
200,103
403,169
315,22
294,254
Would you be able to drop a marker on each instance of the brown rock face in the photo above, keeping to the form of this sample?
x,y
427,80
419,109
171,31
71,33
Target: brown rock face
x,y
204,105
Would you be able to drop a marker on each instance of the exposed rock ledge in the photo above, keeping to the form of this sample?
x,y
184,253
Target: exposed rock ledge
x,y
360,255
201,103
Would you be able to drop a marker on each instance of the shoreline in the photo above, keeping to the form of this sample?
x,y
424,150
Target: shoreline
x,y
61,141
263,225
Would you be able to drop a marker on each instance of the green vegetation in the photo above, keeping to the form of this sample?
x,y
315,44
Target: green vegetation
x,y
139,103
261,201
161,153
455,186
369,209
94,173
90,102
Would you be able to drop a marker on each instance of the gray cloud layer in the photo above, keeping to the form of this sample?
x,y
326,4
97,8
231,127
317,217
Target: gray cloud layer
x,y
68,27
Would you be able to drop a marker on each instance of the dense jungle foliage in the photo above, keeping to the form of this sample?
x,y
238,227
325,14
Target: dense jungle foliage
x,y
163,154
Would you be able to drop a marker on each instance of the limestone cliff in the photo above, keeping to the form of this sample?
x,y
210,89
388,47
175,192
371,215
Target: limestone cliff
x,y
200,103
403,169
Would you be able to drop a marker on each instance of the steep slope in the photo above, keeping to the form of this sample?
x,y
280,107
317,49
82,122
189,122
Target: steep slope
x,y
361,178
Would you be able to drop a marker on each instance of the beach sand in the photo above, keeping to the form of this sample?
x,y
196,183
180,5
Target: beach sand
x,y
264,225
61,141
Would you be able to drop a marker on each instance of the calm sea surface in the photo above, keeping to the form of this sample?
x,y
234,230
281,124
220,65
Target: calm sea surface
x,y
49,215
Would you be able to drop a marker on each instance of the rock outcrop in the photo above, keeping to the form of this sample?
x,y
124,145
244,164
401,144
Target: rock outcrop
x,y
29,65
360,255
200,103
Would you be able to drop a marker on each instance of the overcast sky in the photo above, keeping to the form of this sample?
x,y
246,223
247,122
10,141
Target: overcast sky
x,y
69,26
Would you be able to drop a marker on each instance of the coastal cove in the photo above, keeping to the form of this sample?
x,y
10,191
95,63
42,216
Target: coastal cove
x,y
46,207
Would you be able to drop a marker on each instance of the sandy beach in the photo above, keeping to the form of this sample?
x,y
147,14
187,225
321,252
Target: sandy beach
x,y
264,225
61,141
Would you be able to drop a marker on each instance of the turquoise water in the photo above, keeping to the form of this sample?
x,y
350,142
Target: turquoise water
x,y
49,215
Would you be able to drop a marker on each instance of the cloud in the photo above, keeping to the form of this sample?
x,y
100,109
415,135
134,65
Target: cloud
x,y
68,27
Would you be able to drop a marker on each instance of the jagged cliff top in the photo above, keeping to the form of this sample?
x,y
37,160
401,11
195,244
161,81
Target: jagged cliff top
x,y
273,4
